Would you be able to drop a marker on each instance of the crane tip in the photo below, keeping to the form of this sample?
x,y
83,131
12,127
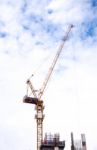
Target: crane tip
x,y
72,26
27,81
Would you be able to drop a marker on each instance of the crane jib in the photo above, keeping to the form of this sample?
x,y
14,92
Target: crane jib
x,y
54,63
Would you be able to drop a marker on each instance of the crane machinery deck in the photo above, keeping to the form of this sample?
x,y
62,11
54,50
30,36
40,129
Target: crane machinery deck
x,y
36,99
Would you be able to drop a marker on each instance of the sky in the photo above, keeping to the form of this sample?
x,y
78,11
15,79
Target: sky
x,y
30,35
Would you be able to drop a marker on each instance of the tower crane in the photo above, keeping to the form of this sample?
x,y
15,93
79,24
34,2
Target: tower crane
x,y
36,99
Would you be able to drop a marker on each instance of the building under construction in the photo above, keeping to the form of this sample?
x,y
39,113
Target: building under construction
x,y
51,142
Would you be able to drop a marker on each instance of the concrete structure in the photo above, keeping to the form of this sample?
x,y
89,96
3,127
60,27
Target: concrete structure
x,y
78,144
72,142
83,139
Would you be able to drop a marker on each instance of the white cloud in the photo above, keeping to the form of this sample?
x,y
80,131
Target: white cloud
x,y
64,10
70,97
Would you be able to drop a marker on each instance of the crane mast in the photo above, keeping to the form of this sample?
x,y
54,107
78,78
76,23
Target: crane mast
x,y
37,97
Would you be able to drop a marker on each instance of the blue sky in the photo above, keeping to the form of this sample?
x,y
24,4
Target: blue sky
x,y
30,34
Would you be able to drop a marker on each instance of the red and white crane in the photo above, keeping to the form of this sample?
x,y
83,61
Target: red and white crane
x,y
36,99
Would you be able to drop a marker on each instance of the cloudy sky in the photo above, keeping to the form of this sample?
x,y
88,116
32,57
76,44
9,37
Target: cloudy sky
x,y
30,34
